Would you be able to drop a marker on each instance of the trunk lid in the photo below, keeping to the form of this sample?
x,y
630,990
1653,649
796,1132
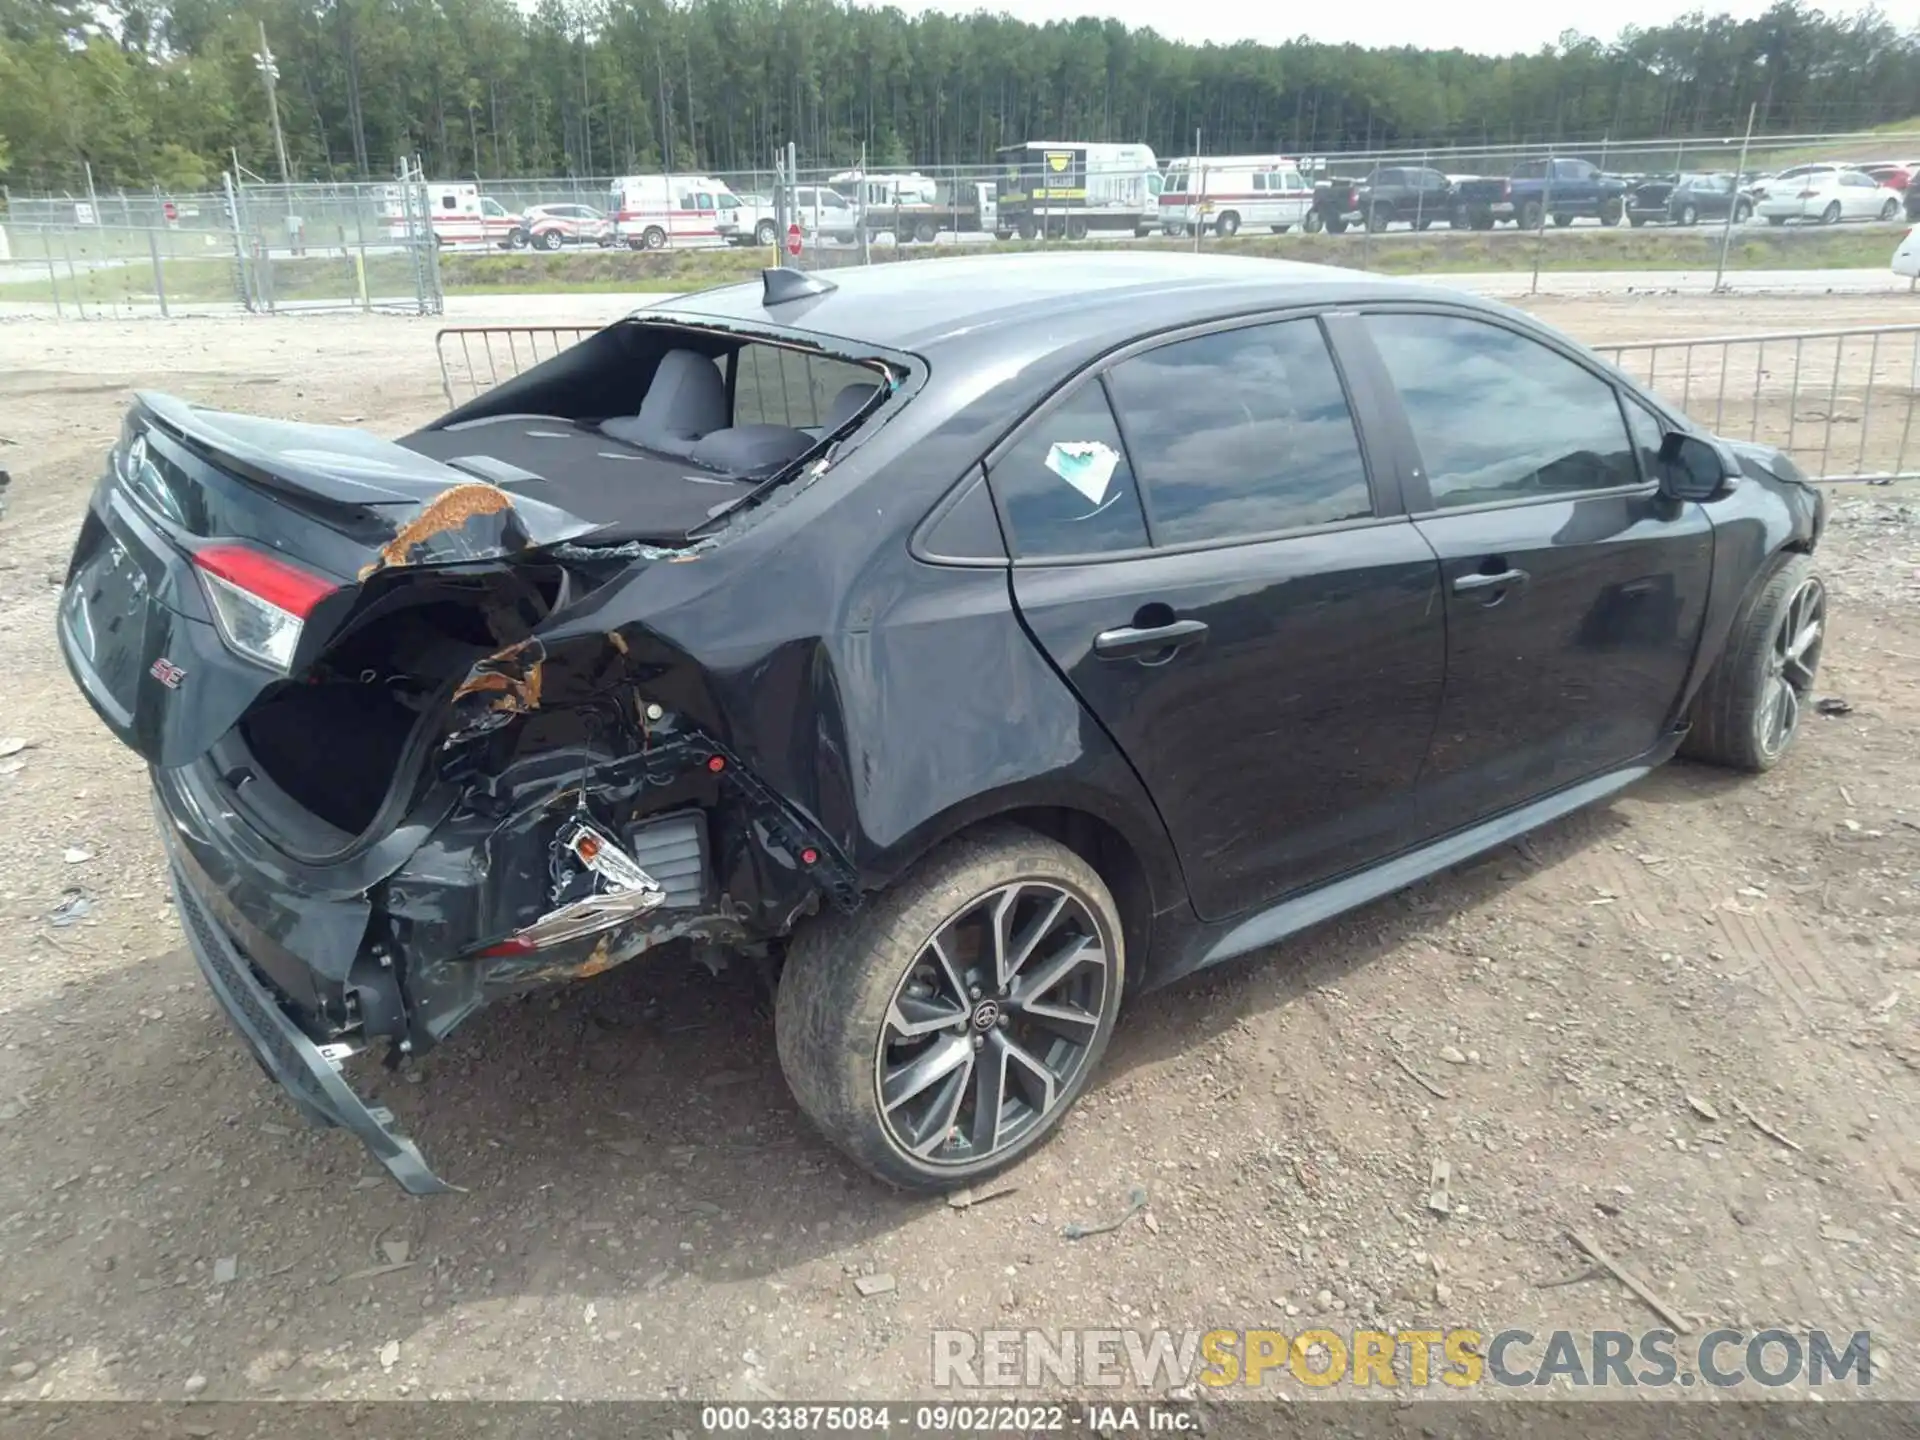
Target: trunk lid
x,y
222,554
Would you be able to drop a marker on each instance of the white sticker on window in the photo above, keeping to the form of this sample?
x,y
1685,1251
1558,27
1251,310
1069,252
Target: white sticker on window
x,y
1087,465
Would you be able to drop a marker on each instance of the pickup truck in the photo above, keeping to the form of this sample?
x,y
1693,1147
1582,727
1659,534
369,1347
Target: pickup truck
x,y
1413,194
1565,190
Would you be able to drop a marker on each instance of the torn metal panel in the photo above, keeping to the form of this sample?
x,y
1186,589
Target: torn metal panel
x,y
473,521
503,685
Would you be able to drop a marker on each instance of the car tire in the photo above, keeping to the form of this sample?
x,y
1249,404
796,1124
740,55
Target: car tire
x,y
1531,216
1636,221
548,240
1378,219
1742,213
1889,210
1228,225
764,234
1336,224
925,232
654,238
1562,221
1759,690
1483,220
1280,229
1612,211
1831,215
838,1019
1076,229
1689,215
1313,222
1776,219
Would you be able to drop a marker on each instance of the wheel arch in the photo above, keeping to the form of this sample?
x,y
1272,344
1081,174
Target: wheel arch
x,y
1131,854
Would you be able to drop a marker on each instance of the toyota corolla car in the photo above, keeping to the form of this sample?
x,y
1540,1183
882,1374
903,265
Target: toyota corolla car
x,y
980,642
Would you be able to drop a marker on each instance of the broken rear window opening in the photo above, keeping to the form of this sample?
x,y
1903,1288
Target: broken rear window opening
x,y
655,432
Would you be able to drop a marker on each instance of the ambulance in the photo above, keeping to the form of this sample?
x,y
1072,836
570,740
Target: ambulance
x,y
1226,193
459,214
651,212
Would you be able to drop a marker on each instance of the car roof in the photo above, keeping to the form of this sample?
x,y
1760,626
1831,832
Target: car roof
x,y
1035,302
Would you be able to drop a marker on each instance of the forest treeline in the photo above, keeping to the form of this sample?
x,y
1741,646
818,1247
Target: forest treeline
x,y
163,92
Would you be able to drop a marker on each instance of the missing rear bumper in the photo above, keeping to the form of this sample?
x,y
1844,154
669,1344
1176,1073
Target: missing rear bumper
x,y
309,1075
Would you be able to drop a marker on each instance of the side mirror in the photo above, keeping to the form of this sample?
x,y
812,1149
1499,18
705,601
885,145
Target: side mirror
x,y
1692,468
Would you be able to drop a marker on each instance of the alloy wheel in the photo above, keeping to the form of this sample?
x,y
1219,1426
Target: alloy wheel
x,y
1794,662
992,1023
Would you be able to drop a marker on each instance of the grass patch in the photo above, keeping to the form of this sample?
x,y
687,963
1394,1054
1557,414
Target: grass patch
x,y
215,280
1892,148
1398,252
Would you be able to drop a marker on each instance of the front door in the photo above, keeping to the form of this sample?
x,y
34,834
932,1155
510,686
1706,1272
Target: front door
x,y
1213,576
1574,591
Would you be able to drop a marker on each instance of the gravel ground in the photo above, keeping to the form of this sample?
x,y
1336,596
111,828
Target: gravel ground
x,y
1579,1025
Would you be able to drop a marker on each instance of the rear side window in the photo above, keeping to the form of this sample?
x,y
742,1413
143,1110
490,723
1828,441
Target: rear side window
x,y
1065,488
777,386
1500,416
1241,433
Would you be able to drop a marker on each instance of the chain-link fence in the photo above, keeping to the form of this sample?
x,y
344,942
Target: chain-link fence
x,y
270,247
249,247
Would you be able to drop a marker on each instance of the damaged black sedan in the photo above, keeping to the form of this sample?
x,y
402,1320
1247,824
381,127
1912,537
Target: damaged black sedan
x,y
975,642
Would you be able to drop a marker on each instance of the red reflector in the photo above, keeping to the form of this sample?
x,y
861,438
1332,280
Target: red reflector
x,y
266,577
809,856
716,763
506,949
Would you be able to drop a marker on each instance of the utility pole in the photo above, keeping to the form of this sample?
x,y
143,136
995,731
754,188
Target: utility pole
x,y
264,59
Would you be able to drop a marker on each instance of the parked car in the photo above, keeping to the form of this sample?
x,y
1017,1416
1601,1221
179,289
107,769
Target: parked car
x,y
1906,258
1336,205
1688,199
824,213
749,219
1480,202
1413,195
548,227
1894,174
1826,195
1565,190
1238,594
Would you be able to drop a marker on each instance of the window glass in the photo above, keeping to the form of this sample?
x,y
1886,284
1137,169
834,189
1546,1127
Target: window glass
x,y
1065,488
777,386
1241,433
1647,430
1498,416
1291,180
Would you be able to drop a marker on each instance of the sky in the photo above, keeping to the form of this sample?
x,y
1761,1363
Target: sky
x,y
1492,27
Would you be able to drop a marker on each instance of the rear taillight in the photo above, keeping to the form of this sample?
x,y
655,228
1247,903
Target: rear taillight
x,y
259,601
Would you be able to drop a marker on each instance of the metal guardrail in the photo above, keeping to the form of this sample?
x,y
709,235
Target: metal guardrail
x,y
488,354
1842,402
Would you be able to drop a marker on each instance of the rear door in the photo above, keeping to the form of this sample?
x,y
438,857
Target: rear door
x,y
1210,553
1573,591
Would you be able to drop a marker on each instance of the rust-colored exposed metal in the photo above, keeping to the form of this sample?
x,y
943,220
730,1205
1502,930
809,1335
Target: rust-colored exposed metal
x,y
450,511
511,677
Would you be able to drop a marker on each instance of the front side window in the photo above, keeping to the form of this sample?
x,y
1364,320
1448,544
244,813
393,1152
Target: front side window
x,y
1065,487
1500,416
1647,431
1241,433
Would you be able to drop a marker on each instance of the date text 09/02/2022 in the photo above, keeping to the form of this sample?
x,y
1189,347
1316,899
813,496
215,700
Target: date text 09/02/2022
x,y
943,1419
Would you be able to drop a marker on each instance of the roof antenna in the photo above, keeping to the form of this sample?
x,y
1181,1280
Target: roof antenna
x,y
780,286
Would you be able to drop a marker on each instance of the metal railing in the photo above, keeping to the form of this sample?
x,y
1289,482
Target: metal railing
x,y
1841,402
475,358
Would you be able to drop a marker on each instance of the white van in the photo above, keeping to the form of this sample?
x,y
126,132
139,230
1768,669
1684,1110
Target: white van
x,y
650,212
459,214
1225,193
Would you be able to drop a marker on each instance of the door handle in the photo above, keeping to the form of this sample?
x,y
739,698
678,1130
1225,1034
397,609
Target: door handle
x,y
1467,584
1130,641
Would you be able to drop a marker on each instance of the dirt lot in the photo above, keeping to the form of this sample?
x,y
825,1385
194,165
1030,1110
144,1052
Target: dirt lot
x,y
647,1215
